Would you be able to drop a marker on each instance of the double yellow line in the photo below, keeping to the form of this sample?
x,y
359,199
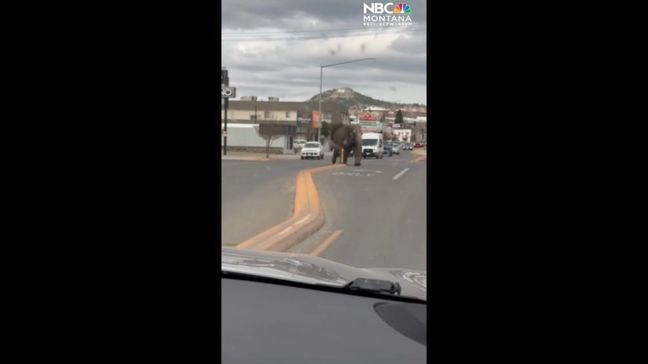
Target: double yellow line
x,y
306,219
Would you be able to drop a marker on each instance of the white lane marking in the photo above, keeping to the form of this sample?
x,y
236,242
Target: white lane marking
x,y
302,220
400,174
293,225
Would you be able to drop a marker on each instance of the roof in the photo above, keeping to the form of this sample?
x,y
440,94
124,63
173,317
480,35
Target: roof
x,y
283,106
266,105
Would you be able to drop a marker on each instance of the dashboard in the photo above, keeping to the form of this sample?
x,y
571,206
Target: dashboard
x,y
274,323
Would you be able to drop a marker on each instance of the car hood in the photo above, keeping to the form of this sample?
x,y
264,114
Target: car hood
x,y
314,270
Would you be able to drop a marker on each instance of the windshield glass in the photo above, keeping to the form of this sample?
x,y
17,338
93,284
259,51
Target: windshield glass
x,y
345,77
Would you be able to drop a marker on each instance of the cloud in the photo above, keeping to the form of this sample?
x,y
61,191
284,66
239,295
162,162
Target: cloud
x,y
262,61
302,14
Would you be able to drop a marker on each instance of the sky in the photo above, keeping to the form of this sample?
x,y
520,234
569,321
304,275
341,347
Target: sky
x,y
275,48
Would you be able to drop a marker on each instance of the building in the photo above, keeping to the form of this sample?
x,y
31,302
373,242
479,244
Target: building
x,y
402,135
296,116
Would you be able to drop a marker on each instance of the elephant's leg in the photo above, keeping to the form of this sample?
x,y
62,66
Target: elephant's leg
x,y
335,155
357,155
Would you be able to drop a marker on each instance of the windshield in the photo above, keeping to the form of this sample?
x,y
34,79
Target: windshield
x,y
344,77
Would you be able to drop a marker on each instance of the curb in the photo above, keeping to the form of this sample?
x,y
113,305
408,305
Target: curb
x,y
307,217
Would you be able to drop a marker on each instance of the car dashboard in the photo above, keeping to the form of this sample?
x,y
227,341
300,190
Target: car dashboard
x,y
274,323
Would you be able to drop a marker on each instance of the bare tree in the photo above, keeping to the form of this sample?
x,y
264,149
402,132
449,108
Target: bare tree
x,y
270,133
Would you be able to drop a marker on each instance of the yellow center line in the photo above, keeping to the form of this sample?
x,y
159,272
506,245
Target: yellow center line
x,y
326,243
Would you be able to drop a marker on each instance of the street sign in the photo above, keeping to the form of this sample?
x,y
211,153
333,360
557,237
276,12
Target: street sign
x,y
228,92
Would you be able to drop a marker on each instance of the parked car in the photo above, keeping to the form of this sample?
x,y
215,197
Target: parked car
x,y
396,147
387,148
418,145
312,150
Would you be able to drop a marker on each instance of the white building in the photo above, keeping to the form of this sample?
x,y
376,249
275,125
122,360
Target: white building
x,y
246,137
402,135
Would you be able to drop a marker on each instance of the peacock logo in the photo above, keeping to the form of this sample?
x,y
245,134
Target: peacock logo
x,y
402,8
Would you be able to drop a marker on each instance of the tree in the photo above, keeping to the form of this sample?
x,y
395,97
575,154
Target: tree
x,y
325,129
399,117
270,133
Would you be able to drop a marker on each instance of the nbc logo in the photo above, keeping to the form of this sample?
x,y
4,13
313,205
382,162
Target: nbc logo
x,y
402,8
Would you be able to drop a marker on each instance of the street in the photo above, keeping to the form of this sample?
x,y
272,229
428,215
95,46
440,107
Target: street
x,y
375,214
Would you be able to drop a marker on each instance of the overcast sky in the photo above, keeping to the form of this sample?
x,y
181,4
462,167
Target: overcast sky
x,y
275,48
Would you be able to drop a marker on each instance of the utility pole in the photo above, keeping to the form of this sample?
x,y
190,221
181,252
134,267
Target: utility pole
x,y
225,81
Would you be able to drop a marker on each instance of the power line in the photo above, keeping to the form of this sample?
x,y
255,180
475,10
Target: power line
x,y
322,36
359,30
296,31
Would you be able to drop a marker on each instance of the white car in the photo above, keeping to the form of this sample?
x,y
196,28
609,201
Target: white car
x,y
396,147
312,150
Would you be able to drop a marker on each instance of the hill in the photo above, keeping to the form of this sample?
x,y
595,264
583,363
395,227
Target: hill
x,y
350,98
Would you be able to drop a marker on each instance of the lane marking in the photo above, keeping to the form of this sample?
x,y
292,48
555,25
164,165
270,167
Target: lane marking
x,y
400,174
306,208
326,243
302,220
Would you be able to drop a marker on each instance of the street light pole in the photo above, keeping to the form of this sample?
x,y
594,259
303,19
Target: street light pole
x,y
320,94
320,104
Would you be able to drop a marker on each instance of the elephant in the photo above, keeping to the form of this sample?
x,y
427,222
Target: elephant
x,y
349,139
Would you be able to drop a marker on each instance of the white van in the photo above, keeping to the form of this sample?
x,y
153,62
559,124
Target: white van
x,y
372,145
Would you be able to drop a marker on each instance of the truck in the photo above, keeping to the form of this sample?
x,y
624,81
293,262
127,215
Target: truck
x,y
372,145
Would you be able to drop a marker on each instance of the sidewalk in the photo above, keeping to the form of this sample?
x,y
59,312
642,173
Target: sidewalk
x,y
248,156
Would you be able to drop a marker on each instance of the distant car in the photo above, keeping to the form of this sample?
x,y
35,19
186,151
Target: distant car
x,y
387,148
396,147
312,150
298,144
418,145
408,146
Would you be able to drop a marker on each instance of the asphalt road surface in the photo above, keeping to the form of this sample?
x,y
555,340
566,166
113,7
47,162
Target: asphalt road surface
x,y
377,209
380,209
256,195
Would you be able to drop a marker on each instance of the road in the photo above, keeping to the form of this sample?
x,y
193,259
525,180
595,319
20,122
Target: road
x,y
257,195
376,212
380,209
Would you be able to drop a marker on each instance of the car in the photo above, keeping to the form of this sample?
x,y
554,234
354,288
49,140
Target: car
x,y
312,150
387,148
410,146
418,145
396,147
288,307
298,144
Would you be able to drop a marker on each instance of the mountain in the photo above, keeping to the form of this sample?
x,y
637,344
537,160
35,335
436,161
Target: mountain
x,y
349,98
